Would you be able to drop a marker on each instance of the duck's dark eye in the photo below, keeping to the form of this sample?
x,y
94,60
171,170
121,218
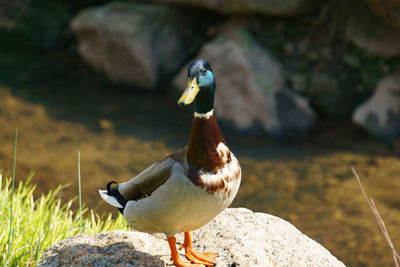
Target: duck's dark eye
x,y
203,72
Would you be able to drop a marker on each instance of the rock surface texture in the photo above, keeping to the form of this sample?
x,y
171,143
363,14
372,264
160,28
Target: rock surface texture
x,y
380,114
326,97
251,93
134,43
269,7
239,236
369,31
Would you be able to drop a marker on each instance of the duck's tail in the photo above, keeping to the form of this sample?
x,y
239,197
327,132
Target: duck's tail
x,y
113,197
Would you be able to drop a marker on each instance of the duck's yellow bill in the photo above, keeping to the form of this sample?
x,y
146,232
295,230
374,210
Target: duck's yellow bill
x,y
190,92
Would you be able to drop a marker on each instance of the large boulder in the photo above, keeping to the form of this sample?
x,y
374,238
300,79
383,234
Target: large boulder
x,y
251,93
380,114
135,43
268,7
367,30
330,98
324,95
239,236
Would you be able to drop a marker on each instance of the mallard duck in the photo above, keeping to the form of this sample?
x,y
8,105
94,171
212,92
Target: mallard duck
x,y
188,188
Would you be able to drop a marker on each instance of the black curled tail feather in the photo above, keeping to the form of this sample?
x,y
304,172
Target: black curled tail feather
x,y
113,191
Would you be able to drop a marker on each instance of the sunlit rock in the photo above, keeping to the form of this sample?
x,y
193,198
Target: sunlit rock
x,y
239,236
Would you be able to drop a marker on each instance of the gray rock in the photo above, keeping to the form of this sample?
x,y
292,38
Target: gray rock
x,y
325,96
378,38
140,44
367,30
299,83
251,92
269,7
239,236
380,114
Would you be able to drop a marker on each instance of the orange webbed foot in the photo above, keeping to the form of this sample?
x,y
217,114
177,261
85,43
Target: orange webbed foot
x,y
175,256
181,263
202,258
194,256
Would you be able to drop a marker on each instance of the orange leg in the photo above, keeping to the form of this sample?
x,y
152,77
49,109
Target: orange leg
x,y
175,256
197,257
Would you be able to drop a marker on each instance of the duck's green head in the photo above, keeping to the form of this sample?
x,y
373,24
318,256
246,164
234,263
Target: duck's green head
x,y
200,86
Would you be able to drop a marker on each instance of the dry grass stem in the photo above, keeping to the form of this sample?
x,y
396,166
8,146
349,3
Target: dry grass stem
x,y
381,223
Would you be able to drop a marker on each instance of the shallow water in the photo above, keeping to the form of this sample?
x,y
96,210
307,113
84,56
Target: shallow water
x,y
61,107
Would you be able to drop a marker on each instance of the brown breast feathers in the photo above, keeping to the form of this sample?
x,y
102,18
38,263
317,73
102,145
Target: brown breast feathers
x,y
204,139
202,153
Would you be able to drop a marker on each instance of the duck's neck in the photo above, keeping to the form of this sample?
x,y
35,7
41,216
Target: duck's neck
x,y
204,140
204,102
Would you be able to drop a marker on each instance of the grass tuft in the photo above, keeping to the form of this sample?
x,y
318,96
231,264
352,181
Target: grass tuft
x,y
39,223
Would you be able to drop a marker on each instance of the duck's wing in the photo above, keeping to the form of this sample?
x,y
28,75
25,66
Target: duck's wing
x,y
145,183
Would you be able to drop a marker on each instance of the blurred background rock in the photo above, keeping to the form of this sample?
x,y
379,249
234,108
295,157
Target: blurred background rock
x,y
305,89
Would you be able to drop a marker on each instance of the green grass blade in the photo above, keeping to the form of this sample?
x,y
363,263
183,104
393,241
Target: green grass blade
x,y
38,246
12,195
80,193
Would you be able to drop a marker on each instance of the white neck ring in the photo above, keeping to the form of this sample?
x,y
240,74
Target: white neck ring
x,y
204,115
